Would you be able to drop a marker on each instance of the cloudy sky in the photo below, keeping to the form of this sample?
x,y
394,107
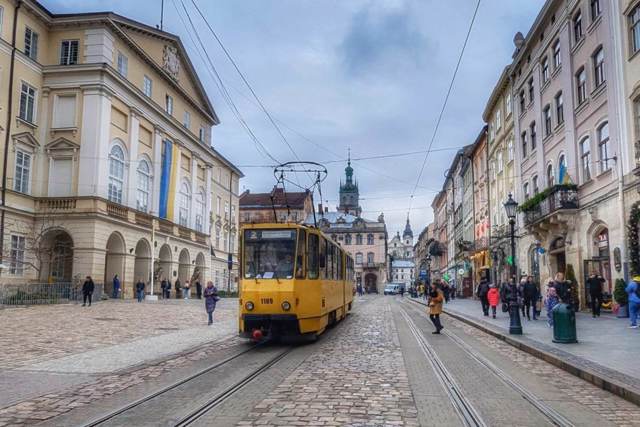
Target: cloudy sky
x,y
369,75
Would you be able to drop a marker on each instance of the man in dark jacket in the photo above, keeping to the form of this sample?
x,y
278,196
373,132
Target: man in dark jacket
x,y
140,290
87,291
594,285
482,292
178,287
199,289
163,286
563,288
529,296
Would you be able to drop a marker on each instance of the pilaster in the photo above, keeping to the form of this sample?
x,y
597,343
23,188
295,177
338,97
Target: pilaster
x,y
132,181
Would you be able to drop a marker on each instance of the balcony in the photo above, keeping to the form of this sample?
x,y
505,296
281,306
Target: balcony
x,y
116,210
549,204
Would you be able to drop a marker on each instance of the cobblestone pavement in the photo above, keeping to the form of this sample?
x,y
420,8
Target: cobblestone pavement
x,y
50,405
357,378
54,331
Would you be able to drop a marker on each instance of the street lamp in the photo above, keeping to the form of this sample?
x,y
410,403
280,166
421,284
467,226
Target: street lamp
x,y
515,327
428,259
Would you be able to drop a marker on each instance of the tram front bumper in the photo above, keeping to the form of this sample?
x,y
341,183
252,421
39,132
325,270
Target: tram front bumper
x,y
270,324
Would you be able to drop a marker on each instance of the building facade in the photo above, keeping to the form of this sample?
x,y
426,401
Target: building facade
x,y
480,256
364,239
110,166
276,206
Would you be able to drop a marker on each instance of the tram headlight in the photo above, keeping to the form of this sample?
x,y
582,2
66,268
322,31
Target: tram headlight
x,y
249,306
286,306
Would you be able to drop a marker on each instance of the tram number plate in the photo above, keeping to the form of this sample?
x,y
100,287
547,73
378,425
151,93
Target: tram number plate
x,y
266,300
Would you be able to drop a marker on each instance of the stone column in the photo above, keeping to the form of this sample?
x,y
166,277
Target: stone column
x,y
194,190
129,279
208,200
94,142
39,179
132,181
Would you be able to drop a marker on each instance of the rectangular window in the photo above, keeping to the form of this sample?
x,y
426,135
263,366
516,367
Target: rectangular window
x,y
201,134
500,162
498,119
596,9
526,190
64,113
581,86
302,238
186,120
559,109
226,210
22,172
557,58
522,101
598,67
532,130
534,181
31,43
577,27
69,52
523,140
168,103
27,103
547,120
545,70
508,104
634,27
585,159
16,266
148,86
123,64
312,256
531,90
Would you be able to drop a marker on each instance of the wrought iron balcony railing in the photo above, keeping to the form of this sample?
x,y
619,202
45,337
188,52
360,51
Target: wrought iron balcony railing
x,y
555,199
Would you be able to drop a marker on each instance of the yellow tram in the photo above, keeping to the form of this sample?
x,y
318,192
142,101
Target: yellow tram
x,y
294,281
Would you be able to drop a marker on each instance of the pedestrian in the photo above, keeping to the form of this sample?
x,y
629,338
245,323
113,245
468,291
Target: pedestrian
x,y
186,290
163,286
198,289
633,290
482,293
529,297
594,285
177,286
436,297
536,304
452,290
210,299
493,298
87,291
446,291
140,290
563,288
551,301
401,290
523,280
168,289
116,286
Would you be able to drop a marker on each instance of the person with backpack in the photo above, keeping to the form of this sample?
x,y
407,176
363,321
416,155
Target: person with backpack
x,y
633,290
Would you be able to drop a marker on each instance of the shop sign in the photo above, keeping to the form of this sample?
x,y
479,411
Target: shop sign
x,y
617,259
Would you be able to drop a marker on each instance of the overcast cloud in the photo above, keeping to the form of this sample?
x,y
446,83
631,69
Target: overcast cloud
x,y
369,75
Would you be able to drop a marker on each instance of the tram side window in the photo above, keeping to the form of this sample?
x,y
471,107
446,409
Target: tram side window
x,y
340,266
302,236
329,261
312,257
323,258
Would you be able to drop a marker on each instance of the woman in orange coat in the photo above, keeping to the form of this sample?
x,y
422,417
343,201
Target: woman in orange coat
x,y
494,298
436,297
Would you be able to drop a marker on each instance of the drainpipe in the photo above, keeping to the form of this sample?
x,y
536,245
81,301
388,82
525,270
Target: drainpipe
x,y
7,135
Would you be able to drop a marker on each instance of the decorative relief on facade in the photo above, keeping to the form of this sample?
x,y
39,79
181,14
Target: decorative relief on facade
x,y
171,64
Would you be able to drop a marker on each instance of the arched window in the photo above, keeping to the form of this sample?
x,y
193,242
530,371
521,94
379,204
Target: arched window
x,y
347,239
369,239
359,258
370,258
604,147
184,208
585,158
562,169
598,67
526,190
116,174
144,186
551,180
358,239
200,211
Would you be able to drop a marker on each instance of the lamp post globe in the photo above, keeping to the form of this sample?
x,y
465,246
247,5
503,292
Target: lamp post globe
x,y
511,206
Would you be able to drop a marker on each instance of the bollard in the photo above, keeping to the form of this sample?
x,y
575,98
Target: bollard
x,y
564,324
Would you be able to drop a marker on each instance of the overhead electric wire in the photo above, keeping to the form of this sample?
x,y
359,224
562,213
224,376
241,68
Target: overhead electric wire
x,y
244,79
444,105
220,83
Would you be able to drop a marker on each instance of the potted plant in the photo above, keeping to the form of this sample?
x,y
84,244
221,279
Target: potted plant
x,y
621,297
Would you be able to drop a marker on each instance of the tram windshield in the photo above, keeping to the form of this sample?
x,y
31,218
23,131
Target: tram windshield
x,y
269,254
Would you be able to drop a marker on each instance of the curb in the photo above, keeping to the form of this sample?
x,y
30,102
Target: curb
x,y
625,391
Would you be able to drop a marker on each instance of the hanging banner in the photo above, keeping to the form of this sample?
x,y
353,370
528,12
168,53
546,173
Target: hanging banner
x,y
165,178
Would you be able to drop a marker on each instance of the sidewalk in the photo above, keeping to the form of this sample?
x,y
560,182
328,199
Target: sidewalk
x,y
606,352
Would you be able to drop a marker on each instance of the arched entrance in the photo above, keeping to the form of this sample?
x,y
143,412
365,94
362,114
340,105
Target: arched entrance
x,y
371,283
163,264
199,271
558,256
142,261
184,267
600,261
114,263
534,264
55,256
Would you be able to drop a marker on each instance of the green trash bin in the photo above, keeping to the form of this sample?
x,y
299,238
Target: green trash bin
x,y
564,324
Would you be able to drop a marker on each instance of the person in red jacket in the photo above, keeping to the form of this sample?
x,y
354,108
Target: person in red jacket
x,y
494,298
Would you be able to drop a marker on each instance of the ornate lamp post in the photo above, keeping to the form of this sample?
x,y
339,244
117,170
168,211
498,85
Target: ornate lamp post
x,y
515,327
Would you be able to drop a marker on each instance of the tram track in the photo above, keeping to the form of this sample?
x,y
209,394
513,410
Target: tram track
x,y
553,416
462,405
111,416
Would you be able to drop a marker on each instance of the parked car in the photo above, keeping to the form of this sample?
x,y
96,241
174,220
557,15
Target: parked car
x,y
392,289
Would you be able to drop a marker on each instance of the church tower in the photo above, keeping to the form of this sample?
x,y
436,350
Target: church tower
x,y
407,236
349,193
